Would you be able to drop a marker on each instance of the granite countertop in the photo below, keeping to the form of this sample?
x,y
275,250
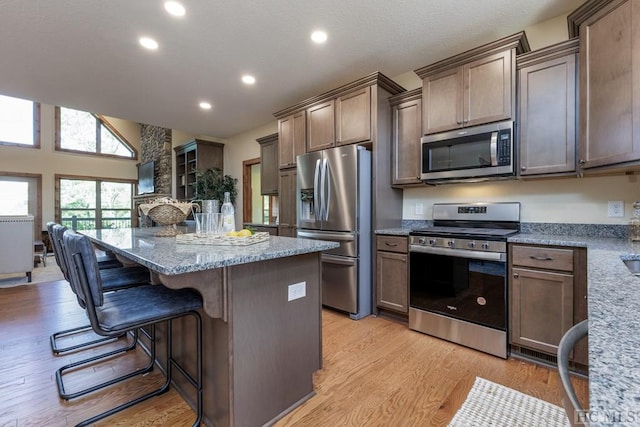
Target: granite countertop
x,y
614,320
165,256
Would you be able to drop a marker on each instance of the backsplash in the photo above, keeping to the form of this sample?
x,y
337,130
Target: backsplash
x,y
592,230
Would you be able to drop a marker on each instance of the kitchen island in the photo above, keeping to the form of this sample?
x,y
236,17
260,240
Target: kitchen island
x,y
261,335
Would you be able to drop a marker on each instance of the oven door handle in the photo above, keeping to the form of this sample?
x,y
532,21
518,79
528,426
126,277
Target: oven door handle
x,y
461,253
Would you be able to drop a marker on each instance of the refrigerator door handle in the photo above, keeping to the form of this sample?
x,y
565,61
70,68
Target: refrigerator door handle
x,y
327,185
316,189
323,180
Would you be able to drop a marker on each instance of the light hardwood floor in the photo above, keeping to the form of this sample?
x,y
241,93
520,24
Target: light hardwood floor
x,y
376,373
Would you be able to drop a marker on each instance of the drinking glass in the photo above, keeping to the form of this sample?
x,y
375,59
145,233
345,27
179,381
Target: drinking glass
x,y
216,223
203,222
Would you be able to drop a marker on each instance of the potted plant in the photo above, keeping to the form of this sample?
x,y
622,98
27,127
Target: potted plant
x,y
211,184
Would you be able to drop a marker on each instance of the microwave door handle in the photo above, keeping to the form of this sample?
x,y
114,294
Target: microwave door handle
x,y
316,190
327,186
494,148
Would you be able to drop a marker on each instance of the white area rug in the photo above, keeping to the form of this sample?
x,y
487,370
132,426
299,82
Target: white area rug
x,y
491,404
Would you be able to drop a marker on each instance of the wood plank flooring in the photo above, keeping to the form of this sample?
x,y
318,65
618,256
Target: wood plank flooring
x,y
376,373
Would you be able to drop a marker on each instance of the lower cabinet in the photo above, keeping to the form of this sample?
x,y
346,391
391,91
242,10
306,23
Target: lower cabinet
x,y
547,289
392,285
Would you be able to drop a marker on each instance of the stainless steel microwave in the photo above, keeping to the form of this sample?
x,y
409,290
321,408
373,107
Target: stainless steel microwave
x,y
474,153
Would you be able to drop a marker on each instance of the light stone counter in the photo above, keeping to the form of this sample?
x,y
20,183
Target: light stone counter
x,y
163,255
614,326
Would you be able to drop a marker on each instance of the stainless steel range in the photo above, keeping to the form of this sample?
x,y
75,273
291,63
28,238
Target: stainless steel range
x,y
458,274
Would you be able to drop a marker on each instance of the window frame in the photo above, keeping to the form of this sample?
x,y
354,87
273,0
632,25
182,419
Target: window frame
x,y
37,216
36,129
97,180
100,121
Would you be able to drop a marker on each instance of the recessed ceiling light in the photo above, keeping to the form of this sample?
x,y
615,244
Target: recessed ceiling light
x,y
148,43
319,37
249,80
205,105
174,8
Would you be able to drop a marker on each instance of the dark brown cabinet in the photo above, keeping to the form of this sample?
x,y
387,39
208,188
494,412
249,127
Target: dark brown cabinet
x,y
472,88
269,171
547,110
292,137
392,282
320,126
353,117
547,289
287,203
406,110
191,156
609,82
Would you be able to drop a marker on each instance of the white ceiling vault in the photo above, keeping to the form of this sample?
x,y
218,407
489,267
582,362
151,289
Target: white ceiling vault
x,y
84,54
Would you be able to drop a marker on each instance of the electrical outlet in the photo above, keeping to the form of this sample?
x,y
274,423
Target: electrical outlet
x,y
616,209
418,209
297,290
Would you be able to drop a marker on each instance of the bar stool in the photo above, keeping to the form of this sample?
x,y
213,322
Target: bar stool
x,y
115,276
114,313
569,398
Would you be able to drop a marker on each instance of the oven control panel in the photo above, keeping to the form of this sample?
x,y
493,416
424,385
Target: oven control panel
x,y
456,243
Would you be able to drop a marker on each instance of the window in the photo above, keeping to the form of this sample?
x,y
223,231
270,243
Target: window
x,y
19,122
89,133
84,204
21,194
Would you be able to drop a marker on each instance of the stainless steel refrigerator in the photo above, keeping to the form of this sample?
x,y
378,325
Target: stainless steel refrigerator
x,y
333,197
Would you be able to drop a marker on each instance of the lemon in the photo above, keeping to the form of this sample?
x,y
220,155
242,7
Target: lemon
x,y
232,233
244,233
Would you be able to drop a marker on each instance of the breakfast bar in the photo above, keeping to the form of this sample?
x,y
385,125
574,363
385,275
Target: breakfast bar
x,y
261,321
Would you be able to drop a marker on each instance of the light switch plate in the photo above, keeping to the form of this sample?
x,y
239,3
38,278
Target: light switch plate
x,y
297,291
418,209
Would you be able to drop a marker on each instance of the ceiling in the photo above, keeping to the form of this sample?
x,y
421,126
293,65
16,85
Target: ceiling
x,y
85,54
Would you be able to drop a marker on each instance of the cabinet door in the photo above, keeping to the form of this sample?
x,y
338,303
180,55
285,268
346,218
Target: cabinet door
x,y
609,85
291,138
407,130
269,176
392,281
488,89
548,117
287,208
442,101
353,117
541,308
320,126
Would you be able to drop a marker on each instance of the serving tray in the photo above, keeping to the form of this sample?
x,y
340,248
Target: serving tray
x,y
208,239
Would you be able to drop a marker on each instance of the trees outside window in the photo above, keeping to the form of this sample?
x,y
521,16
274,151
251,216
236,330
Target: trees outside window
x,y
89,133
85,203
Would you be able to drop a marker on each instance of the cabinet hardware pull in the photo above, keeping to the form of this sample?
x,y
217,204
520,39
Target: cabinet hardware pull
x,y
541,258
582,161
391,244
516,275
524,168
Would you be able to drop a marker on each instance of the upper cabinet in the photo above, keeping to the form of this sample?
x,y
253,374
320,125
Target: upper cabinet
x,y
292,137
609,82
472,88
321,126
406,112
353,117
269,171
191,156
547,110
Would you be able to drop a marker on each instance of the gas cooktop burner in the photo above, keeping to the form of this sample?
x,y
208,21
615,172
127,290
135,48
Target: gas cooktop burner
x,y
463,231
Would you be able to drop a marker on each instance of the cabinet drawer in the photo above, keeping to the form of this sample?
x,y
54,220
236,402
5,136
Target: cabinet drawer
x,y
547,258
392,244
